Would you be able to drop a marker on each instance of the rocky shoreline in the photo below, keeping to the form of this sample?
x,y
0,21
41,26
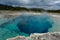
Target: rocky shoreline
x,y
39,36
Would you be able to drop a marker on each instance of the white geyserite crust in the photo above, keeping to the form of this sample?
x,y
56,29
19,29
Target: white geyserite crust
x,y
39,36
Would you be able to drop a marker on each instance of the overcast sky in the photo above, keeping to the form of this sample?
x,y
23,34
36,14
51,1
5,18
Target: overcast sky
x,y
46,4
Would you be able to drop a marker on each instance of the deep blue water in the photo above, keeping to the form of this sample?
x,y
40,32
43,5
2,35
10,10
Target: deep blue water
x,y
25,25
35,24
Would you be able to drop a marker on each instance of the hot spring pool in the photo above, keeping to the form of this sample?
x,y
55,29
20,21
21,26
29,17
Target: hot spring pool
x,y
26,24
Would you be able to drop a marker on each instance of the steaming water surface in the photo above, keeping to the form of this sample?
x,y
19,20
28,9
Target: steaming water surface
x,y
12,27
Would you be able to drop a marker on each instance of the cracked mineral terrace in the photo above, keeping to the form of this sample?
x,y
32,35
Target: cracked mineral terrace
x,y
39,36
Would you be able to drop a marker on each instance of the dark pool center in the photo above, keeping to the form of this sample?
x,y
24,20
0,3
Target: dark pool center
x,y
35,24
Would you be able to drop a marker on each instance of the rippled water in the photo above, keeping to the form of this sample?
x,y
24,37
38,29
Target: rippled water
x,y
24,25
